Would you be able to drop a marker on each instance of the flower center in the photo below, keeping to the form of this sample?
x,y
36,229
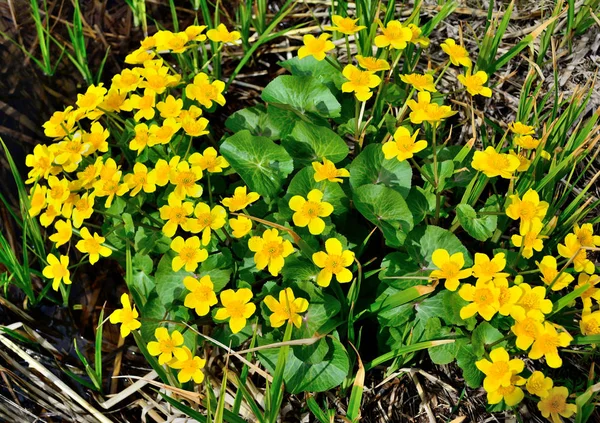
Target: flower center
x,y
236,309
188,254
556,404
311,209
483,296
530,302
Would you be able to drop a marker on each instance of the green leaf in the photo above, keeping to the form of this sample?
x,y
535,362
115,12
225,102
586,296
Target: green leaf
x,y
309,142
423,241
480,228
371,167
169,284
314,368
298,269
303,182
322,309
445,170
402,265
385,208
466,358
484,334
262,164
305,94
446,305
442,354
256,120
322,70
219,267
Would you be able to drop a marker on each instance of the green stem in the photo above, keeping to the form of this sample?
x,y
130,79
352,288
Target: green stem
x,y
435,177
420,169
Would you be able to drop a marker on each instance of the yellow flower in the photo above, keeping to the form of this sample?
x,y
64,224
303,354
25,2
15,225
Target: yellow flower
x,y
492,163
202,294
554,405
57,270
546,344
474,83
585,235
533,303
426,111
270,250
166,346
236,307
64,232
162,170
590,323
485,269
538,384
37,199
222,35
372,64
189,253
508,297
170,107
333,261
41,162
140,179
240,226
528,209
549,270
144,105
458,55
184,178
315,47
209,160
524,162
395,35
83,209
140,140
572,249
127,316
110,187
344,25
416,36
404,145
527,142
92,244
591,292
49,215
175,213
309,212
70,152
511,394
240,199
164,133
89,174
328,171
530,240
139,56
126,81
91,99
419,82
60,124
500,370
286,309
521,129
195,33
194,127
190,366
96,138
205,92
525,329
175,43
450,268
157,78
359,82
483,299
206,220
